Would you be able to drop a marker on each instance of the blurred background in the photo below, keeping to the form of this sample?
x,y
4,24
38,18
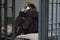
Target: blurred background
x,y
10,11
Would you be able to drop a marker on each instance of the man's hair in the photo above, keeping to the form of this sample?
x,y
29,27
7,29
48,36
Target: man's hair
x,y
26,4
32,6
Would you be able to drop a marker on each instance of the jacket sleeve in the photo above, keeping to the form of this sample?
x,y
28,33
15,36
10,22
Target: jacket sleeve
x,y
27,22
17,23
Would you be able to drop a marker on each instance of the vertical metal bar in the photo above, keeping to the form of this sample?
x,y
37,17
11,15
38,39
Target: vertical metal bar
x,y
59,22
5,18
56,18
13,19
43,19
0,21
52,23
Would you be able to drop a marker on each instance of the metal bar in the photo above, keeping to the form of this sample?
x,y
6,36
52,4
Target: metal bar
x,y
56,18
55,3
53,29
59,23
0,21
13,19
7,7
43,19
5,19
52,23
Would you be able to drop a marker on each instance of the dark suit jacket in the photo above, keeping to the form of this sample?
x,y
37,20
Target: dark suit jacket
x,y
27,25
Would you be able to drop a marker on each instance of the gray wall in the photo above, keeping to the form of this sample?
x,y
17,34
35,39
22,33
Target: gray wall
x,y
20,3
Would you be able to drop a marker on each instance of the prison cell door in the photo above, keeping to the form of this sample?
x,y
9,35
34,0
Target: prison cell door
x,y
54,19
7,7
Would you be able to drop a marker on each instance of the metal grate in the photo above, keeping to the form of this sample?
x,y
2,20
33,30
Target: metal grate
x,y
7,9
54,19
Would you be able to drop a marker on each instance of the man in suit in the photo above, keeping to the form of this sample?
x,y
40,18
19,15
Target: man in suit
x,y
21,19
28,21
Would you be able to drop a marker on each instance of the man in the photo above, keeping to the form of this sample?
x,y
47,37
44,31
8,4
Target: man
x,y
26,4
21,19
26,7
31,24
28,22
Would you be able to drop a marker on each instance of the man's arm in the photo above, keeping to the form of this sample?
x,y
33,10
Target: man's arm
x,y
27,22
17,24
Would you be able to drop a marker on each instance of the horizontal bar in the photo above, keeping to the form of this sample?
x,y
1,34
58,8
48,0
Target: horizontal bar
x,y
7,7
53,23
54,3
